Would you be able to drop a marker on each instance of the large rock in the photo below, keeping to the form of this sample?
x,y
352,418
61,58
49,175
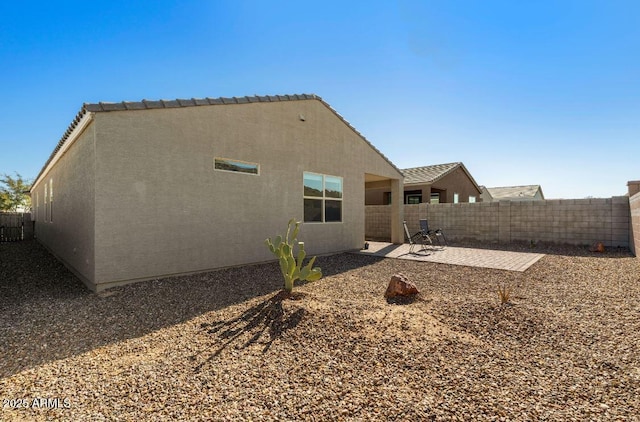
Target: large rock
x,y
399,285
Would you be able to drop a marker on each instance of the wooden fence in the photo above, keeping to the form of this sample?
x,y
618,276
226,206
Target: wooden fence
x,y
15,226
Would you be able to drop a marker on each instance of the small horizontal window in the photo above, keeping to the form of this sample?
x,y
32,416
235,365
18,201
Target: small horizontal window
x,y
225,164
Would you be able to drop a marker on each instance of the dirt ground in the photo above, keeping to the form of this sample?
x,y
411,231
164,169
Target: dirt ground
x,y
225,345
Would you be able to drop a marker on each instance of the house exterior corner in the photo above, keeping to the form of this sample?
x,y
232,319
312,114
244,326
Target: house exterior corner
x,y
176,190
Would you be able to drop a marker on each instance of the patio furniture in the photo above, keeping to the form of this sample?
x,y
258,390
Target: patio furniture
x,y
421,237
438,233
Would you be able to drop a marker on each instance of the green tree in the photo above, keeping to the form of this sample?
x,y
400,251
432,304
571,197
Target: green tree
x,y
13,193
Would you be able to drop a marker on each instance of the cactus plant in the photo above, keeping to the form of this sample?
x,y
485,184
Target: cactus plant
x,y
290,266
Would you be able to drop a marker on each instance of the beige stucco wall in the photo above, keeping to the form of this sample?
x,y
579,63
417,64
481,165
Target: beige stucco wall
x,y
456,182
69,234
162,209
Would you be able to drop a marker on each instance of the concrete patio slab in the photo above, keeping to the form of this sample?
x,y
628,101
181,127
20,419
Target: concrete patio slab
x,y
485,258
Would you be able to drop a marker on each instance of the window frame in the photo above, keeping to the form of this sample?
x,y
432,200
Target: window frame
x,y
46,202
412,196
323,199
232,162
51,200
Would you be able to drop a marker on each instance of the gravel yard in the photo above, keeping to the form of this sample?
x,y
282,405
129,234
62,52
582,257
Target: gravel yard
x,y
226,346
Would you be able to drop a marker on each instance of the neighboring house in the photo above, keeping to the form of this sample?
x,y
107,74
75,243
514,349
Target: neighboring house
x,y
440,183
512,193
141,190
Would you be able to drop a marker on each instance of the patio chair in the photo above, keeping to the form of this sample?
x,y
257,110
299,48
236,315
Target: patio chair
x,y
438,233
420,237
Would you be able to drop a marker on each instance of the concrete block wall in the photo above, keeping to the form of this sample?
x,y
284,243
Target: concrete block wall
x,y
412,215
634,226
377,218
480,220
573,221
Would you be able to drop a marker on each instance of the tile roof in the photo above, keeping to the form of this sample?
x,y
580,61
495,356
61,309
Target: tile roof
x,y
428,174
526,191
192,102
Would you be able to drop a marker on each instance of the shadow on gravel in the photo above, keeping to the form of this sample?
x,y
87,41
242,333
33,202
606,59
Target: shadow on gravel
x,y
266,317
46,313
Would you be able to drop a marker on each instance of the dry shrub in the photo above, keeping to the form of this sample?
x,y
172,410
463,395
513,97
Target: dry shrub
x,y
504,294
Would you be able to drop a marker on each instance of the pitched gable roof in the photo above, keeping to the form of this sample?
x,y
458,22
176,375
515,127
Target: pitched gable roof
x,y
80,120
433,173
428,174
526,191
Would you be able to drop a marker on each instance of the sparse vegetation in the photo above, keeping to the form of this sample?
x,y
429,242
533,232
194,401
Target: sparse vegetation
x,y
291,266
225,345
504,294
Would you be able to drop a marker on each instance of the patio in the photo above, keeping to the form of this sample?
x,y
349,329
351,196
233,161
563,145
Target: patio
x,y
470,257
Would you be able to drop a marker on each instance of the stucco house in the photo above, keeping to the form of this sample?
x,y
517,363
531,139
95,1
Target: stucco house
x,y
512,193
141,190
438,183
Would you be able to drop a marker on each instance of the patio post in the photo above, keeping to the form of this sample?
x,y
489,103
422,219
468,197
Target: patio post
x,y
397,211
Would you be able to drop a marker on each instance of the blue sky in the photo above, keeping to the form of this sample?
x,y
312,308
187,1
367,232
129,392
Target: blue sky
x,y
522,92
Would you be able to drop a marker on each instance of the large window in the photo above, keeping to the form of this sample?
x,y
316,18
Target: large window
x,y
322,198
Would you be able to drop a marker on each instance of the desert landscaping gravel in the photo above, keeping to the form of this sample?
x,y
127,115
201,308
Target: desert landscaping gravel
x,y
226,345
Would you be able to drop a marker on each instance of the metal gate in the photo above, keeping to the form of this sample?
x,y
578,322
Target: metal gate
x,y
11,226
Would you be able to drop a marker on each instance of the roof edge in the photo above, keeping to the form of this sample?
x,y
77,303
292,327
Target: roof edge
x,y
455,165
535,187
192,102
350,126
100,107
75,129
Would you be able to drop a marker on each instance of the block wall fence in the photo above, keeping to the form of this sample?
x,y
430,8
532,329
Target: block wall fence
x,y
564,221
634,205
